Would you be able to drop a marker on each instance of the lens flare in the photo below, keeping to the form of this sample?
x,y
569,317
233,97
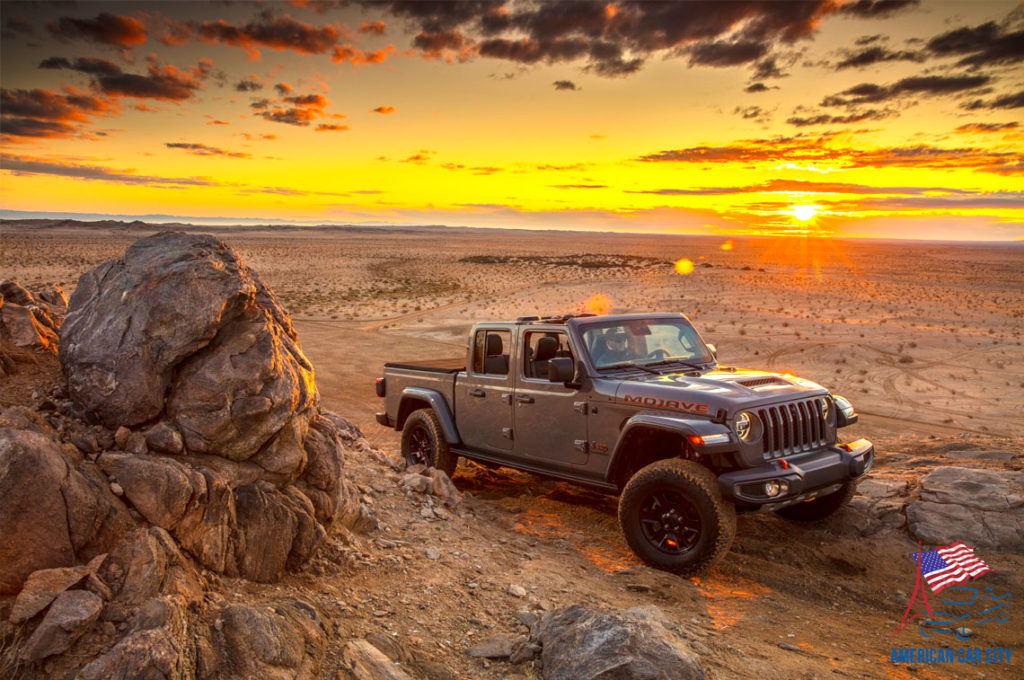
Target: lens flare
x,y
684,266
597,304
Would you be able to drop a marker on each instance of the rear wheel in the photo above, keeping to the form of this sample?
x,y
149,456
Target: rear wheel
x,y
820,508
423,442
674,517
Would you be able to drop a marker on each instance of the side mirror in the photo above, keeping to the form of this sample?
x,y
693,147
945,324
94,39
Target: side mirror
x,y
714,350
560,370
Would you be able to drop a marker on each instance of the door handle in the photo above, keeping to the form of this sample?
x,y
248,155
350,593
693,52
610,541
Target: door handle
x,y
477,392
524,400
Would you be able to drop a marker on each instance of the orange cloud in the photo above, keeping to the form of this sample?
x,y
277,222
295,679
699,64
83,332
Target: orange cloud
x,y
357,57
383,110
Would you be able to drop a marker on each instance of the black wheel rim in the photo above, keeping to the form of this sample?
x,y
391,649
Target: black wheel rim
x,y
419,447
670,522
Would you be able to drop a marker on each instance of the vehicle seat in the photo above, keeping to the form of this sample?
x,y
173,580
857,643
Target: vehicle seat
x,y
547,347
495,363
599,350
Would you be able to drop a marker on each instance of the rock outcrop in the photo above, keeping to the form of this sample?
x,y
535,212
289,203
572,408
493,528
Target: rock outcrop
x,y
980,507
188,436
182,350
584,643
28,323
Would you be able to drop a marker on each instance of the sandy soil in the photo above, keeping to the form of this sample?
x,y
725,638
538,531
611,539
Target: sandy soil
x,y
924,338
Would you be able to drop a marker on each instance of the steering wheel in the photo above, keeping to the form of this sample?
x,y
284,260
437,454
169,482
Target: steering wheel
x,y
658,354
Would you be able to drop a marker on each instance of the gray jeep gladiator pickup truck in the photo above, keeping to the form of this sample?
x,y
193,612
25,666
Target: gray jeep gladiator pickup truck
x,y
635,405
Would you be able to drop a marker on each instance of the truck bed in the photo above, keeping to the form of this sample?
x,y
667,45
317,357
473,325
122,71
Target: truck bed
x,y
431,365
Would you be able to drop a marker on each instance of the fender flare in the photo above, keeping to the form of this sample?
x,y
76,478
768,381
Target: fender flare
x,y
654,421
439,406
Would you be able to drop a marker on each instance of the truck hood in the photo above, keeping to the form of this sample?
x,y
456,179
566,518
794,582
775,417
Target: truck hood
x,y
719,386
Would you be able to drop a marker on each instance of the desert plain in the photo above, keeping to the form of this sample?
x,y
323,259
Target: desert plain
x,y
925,338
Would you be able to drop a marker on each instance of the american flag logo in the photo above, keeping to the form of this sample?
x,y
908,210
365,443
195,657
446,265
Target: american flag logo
x,y
949,565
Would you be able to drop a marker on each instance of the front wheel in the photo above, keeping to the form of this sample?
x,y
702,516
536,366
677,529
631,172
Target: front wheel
x,y
423,442
820,508
674,518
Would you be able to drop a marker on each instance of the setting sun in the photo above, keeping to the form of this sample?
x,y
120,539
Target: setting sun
x,y
805,212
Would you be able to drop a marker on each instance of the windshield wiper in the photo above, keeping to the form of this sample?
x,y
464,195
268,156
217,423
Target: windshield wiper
x,y
665,362
628,364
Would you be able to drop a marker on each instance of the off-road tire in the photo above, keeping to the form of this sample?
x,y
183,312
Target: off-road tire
x,y
692,491
820,508
423,441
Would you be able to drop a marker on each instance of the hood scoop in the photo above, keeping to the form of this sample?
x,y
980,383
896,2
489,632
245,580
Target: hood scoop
x,y
754,383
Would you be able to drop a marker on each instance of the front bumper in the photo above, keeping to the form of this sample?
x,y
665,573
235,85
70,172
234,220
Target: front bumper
x,y
806,476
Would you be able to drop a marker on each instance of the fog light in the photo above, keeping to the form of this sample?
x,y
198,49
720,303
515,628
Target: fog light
x,y
775,487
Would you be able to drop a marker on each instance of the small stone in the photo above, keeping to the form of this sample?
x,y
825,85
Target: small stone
x,y
433,553
121,436
473,586
498,646
639,587
116,489
379,613
516,590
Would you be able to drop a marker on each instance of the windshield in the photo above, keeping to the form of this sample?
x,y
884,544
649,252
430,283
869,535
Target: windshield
x,y
644,342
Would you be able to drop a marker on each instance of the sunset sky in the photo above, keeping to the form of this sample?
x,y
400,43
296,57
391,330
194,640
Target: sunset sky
x,y
884,118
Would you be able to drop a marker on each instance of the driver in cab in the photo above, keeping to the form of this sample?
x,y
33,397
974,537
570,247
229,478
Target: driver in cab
x,y
617,345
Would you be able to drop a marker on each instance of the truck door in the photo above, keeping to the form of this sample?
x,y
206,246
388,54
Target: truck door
x,y
550,419
484,400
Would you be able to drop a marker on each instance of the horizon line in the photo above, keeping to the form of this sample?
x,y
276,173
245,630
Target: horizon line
x,y
158,219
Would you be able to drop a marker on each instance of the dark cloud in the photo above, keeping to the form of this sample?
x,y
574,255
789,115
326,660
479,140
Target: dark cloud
x,y
756,87
808,148
331,127
160,82
870,93
869,39
996,200
564,85
204,150
17,25
749,112
44,113
279,33
876,55
615,39
1006,101
250,84
35,166
90,65
767,68
283,88
876,8
475,169
106,28
803,186
826,119
298,110
987,127
383,110
985,45
727,53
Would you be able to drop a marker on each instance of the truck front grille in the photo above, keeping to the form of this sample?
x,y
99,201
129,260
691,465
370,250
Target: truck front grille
x,y
794,427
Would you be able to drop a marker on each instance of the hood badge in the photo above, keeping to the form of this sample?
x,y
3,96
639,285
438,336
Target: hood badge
x,y
669,404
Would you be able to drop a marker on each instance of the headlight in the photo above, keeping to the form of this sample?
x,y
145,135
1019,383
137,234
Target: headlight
x,y
845,406
747,426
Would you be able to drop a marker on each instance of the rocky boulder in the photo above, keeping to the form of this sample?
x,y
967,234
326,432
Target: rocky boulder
x,y
54,512
179,329
28,323
181,351
980,507
584,643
